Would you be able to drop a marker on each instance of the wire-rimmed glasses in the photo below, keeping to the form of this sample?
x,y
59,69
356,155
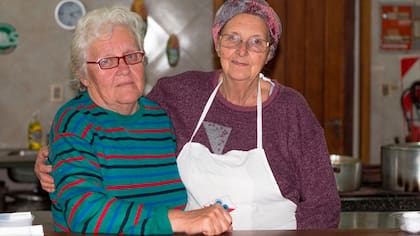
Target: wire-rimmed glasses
x,y
255,44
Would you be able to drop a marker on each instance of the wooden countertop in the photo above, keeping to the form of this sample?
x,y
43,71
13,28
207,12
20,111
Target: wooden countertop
x,y
336,232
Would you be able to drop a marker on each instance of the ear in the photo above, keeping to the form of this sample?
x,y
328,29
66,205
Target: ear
x,y
269,56
84,80
217,48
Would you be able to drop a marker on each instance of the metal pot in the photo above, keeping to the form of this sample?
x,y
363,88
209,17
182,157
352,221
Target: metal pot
x,y
347,172
401,167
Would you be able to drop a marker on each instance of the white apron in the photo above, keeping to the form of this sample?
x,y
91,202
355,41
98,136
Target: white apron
x,y
241,179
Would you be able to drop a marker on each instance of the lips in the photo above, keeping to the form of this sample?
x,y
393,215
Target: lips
x,y
236,62
128,83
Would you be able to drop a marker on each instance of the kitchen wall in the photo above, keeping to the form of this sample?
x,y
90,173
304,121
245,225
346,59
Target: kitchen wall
x,y
386,117
42,56
41,59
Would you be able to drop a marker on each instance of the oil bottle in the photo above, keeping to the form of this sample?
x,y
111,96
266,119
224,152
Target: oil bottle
x,y
35,132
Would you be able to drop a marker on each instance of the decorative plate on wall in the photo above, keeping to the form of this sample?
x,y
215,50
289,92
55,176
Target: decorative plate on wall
x,y
68,12
8,38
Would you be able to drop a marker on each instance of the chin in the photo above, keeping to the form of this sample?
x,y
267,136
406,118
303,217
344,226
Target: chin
x,y
129,97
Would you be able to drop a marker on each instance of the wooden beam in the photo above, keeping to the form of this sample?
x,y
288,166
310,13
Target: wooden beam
x,y
365,30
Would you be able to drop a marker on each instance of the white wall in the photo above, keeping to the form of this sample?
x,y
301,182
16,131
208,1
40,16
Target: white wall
x,y
386,120
42,56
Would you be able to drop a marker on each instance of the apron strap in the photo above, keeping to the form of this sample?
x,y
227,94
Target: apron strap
x,y
259,111
206,109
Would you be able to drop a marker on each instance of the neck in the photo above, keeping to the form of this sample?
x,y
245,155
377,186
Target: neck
x,y
242,93
125,109
120,108
128,109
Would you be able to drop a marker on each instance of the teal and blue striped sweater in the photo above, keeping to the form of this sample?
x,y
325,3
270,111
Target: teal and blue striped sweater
x,y
114,173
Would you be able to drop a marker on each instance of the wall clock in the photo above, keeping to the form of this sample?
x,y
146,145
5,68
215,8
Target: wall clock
x,y
68,12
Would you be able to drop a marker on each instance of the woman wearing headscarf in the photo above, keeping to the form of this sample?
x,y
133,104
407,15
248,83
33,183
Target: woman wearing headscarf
x,y
243,140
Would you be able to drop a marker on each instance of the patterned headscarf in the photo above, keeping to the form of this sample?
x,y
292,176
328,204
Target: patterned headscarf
x,y
260,8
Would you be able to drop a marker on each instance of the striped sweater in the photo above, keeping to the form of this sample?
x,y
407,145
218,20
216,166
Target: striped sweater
x,y
114,173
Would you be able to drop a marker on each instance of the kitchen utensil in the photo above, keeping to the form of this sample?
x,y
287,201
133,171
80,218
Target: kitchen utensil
x,y
401,167
409,221
347,172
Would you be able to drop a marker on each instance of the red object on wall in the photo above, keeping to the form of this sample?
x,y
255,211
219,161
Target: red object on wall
x,y
410,102
396,27
407,64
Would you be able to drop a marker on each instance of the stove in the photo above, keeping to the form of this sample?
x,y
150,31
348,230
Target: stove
x,y
373,197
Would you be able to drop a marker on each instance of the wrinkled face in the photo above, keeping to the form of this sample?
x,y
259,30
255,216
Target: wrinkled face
x,y
115,88
240,63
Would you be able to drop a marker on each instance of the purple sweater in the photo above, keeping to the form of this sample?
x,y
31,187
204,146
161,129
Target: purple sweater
x,y
293,140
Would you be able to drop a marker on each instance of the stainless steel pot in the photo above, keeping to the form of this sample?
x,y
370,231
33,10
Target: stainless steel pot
x,y
401,167
347,172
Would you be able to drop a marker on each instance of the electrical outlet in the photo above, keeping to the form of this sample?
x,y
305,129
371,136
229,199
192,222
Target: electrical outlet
x,y
56,93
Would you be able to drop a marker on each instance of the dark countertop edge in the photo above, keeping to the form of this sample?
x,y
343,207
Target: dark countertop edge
x,y
381,204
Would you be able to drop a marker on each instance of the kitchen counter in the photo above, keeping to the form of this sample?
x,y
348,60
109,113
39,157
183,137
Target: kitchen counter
x,y
358,232
371,196
43,218
382,203
368,220
17,157
367,211
348,220
374,198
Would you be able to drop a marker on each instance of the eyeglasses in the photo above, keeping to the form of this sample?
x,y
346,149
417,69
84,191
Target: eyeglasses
x,y
112,62
255,44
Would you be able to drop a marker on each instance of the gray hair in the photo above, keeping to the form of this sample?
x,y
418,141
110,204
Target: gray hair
x,y
100,23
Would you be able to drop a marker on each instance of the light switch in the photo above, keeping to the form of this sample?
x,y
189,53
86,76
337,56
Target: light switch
x,y
56,93
385,89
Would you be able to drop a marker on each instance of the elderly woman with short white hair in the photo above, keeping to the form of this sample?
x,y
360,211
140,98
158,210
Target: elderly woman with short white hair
x,y
113,151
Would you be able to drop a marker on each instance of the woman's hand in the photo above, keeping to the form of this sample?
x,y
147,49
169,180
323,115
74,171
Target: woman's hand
x,y
42,170
210,220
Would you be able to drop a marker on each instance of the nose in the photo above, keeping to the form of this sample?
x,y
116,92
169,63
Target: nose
x,y
243,48
124,64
